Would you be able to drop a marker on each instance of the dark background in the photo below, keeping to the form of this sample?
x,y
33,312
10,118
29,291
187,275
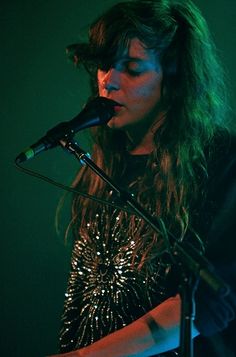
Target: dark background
x,y
39,88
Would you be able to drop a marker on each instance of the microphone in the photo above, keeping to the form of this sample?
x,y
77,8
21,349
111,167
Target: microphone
x,y
97,112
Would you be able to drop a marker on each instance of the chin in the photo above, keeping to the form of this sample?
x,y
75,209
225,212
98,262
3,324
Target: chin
x,y
115,123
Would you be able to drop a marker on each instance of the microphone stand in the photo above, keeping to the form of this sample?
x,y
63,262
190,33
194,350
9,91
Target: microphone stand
x,y
193,264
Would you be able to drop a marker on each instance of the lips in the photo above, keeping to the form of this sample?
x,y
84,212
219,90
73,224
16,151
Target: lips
x,y
117,108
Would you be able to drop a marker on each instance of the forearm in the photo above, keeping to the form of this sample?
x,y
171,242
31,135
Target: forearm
x,y
155,332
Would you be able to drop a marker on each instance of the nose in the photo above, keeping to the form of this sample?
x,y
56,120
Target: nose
x,y
111,80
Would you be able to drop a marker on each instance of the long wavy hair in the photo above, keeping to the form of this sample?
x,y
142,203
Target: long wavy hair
x,y
194,102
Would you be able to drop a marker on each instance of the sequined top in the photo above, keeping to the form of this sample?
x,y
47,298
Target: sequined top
x,y
106,290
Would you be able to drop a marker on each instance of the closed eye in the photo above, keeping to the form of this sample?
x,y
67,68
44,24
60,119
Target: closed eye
x,y
134,68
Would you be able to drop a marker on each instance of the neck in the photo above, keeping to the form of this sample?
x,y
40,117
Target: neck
x,y
140,143
144,146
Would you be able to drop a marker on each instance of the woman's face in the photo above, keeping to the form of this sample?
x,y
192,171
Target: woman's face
x,y
134,81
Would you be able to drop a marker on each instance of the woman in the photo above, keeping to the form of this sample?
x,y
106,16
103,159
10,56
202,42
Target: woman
x,y
167,145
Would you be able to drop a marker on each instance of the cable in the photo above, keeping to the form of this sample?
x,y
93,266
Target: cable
x,y
70,189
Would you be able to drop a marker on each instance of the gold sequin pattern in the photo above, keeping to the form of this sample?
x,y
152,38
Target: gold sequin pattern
x,y
106,291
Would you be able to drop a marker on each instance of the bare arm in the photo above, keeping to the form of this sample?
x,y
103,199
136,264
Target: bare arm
x,y
155,332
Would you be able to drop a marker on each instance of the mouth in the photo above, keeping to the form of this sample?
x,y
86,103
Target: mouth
x,y
118,108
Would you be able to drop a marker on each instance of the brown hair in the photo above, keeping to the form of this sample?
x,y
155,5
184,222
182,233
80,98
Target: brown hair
x,y
192,96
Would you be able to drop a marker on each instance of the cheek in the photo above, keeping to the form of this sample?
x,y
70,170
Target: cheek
x,y
148,87
151,92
